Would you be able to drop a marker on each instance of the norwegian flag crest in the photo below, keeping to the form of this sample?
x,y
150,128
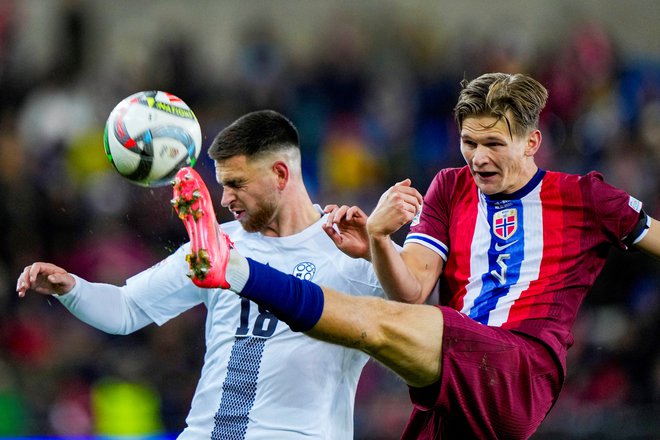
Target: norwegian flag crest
x,y
505,223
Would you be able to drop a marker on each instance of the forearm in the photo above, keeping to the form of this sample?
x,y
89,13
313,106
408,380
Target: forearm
x,y
104,307
393,273
650,242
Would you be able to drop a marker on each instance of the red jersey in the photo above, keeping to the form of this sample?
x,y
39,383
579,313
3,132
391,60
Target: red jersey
x,y
523,261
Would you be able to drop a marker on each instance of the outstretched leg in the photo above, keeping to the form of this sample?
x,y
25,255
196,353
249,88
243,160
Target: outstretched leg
x,y
406,338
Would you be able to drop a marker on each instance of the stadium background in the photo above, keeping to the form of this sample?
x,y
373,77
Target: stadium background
x,y
370,85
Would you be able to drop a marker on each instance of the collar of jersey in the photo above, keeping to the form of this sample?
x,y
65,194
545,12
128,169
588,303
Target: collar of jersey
x,y
522,192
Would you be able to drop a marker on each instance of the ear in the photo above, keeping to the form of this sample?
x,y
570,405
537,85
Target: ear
x,y
282,174
533,143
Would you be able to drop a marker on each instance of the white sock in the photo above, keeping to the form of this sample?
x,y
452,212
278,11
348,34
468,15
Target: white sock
x,y
238,271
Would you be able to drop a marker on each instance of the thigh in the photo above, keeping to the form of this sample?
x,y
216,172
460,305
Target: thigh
x,y
494,383
407,338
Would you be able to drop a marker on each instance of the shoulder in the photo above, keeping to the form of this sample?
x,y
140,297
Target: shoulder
x,y
594,193
449,186
592,182
449,178
595,183
590,178
453,174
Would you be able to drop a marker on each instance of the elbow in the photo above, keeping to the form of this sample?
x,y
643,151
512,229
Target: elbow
x,y
120,331
403,341
114,330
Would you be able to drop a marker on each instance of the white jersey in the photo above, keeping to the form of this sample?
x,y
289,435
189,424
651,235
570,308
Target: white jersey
x,y
260,380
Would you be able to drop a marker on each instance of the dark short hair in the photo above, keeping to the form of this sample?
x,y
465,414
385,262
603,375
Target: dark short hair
x,y
254,134
496,94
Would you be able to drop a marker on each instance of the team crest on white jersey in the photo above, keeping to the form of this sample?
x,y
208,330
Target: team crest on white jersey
x,y
505,223
304,270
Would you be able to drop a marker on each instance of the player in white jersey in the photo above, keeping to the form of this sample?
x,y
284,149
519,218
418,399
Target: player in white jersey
x,y
260,380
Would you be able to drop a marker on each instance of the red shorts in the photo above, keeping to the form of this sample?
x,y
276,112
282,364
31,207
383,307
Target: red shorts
x,y
495,383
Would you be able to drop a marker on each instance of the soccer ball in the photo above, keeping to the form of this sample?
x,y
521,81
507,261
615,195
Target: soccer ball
x,y
150,135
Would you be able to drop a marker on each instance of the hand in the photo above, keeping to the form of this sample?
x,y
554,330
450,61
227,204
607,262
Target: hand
x,y
346,227
44,278
396,207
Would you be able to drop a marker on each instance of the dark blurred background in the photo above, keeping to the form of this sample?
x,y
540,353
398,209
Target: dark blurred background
x,y
370,85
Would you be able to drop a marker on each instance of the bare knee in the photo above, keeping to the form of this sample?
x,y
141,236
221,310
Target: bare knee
x,y
408,339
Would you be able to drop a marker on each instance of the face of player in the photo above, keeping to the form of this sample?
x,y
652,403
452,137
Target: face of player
x,y
499,162
249,191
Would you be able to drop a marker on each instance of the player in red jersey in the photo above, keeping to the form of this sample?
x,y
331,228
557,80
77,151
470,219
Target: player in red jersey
x,y
516,250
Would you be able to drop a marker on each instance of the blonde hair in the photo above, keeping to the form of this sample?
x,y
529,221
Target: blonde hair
x,y
516,98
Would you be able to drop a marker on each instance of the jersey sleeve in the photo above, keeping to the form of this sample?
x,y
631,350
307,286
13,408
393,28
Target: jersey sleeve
x,y
616,211
90,302
164,291
430,228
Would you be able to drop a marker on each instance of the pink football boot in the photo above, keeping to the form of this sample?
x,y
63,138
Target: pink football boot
x,y
209,245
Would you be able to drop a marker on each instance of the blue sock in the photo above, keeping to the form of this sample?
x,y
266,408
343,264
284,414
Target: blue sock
x,y
297,302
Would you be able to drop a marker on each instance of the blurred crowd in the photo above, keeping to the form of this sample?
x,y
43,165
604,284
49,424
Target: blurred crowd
x,y
372,108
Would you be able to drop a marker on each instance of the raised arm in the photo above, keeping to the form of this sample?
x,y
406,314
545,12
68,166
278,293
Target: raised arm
x,y
409,275
102,306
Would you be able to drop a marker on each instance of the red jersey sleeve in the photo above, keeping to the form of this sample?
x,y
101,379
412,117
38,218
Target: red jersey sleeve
x,y
431,227
615,211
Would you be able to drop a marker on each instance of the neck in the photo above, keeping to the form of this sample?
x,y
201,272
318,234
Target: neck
x,y
293,216
529,175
